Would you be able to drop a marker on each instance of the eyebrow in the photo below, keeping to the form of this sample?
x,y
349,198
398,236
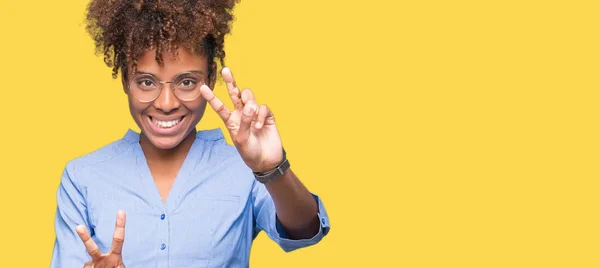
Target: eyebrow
x,y
189,71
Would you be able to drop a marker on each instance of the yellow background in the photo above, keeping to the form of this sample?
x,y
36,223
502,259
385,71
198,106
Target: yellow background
x,y
438,133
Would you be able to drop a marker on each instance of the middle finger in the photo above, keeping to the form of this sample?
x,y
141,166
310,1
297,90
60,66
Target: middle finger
x,y
234,92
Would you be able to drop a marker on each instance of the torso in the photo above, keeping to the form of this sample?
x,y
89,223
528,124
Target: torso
x,y
206,221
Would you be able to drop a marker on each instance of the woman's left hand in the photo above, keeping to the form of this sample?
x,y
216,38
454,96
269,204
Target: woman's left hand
x,y
252,127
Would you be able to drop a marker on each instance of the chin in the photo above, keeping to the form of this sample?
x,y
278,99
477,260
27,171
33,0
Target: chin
x,y
166,142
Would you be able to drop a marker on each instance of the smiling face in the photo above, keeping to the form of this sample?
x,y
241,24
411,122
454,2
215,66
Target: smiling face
x,y
168,120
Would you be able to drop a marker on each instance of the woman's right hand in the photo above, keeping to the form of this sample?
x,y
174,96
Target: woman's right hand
x,y
113,258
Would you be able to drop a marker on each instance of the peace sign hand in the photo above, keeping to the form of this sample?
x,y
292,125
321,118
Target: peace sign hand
x,y
113,258
252,128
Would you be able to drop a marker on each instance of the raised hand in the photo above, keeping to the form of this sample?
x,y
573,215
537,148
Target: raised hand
x,y
252,127
113,258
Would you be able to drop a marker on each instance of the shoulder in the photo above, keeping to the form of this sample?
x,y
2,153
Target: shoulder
x,y
104,155
215,146
221,157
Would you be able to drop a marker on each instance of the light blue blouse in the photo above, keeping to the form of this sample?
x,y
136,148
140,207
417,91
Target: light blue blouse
x,y
214,210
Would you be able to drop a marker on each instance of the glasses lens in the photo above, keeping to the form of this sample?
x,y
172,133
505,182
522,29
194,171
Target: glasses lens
x,y
187,86
145,87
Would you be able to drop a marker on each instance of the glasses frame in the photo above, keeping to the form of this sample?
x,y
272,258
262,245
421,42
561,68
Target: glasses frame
x,y
162,84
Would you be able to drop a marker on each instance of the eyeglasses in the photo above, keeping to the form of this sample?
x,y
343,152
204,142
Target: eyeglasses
x,y
185,86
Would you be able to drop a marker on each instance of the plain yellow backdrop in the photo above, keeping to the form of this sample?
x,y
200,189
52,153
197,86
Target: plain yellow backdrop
x,y
438,133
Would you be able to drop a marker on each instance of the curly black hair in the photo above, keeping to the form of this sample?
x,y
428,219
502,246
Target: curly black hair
x,y
123,30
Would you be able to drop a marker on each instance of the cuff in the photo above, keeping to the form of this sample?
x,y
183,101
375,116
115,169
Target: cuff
x,y
288,244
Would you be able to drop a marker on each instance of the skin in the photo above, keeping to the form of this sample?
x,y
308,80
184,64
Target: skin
x,y
252,129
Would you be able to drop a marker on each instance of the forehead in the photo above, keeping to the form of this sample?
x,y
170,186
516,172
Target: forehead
x,y
173,63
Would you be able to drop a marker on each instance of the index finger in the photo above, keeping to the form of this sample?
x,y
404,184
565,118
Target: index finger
x,y
119,236
215,103
89,243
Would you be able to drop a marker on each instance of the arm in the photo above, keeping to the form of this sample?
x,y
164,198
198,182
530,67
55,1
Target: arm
x,y
74,246
71,211
296,207
268,219
285,201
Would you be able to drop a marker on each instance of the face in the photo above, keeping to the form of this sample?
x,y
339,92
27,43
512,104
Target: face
x,y
168,120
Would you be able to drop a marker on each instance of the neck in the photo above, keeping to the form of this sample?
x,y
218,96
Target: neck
x,y
176,153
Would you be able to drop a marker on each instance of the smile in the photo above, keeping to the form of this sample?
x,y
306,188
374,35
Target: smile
x,y
166,124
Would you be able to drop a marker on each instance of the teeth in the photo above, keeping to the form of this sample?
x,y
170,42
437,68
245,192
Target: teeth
x,y
166,124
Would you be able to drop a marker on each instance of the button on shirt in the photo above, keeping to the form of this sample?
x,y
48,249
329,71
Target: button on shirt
x,y
214,210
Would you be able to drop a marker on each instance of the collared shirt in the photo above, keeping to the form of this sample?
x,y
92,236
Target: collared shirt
x,y
214,210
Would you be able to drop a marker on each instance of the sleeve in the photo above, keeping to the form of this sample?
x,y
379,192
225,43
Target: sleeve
x,y
266,219
71,211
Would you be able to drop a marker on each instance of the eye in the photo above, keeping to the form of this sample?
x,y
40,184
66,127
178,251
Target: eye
x,y
187,83
146,83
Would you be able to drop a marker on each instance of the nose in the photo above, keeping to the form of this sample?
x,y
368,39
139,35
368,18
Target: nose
x,y
166,101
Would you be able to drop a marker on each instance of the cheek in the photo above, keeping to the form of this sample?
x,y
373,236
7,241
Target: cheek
x,y
197,108
136,108
197,111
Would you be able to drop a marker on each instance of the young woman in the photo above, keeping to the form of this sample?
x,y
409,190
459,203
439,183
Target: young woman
x,y
191,199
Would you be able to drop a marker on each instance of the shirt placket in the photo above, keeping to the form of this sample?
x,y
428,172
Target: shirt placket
x,y
163,240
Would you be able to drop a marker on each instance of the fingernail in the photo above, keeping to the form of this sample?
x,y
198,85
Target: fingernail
x,y
257,125
248,110
206,86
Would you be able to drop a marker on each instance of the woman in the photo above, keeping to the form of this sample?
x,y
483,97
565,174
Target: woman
x,y
191,199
